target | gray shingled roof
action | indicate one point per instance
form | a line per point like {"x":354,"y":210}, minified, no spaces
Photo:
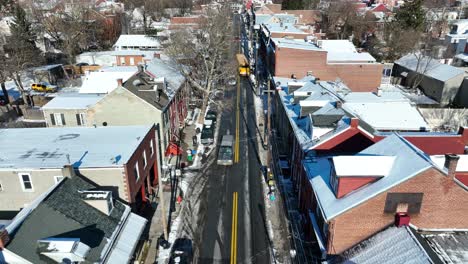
{"x":156,"y":69}
{"x":64,"y":214}
{"x":145,"y":91}
{"x":429,"y":67}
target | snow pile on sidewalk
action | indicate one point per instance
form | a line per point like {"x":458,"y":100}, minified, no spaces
{"x":164,"y":254}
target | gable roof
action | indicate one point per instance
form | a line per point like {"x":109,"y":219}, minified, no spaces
{"x":391,"y":246}
{"x":171,"y":80}
{"x":63,"y":214}
{"x":159,"y":68}
{"x":380,"y":8}
{"x":73,"y":101}
{"x":429,"y":67}
{"x":408,"y":163}
{"x":449,"y":247}
{"x":104,"y":81}
{"x":137,"y":41}
{"x":84,"y":147}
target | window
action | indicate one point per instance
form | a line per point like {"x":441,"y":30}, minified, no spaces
{"x":136,"y":172}
{"x":122,"y":60}
{"x":25,"y":179}
{"x":132,"y":61}
{"x":1,"y":187}
{"x":151,"y":148}
{"x":57,"y":179}
{"x":80,"y":119}
{"x":57,"y":119}
{"x":144,"y":159}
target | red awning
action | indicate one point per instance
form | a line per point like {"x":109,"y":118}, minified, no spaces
{"x":173,"y":149}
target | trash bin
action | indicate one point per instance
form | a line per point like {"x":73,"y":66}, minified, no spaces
{"x":189,"y":155}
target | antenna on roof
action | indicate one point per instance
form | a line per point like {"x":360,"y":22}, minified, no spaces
{"x":68,"y":158}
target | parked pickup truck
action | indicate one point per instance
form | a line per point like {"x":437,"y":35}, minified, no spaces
{"x":226,"y":152}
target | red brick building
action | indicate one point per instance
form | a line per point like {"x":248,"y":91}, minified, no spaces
{"x":351,"y":203}
{"x":359,"y":71}
{"x":192,"y":22}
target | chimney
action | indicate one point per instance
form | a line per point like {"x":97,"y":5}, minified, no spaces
{"x":4,"y":238}
{"x":451,"y":161}
{"x":68,"y":171}
{"x":119,"y":82}
{"x":338,"y":104}
{"x":354,"y":122}
{"x":464,"y":133}
{"x":379,"y":92}
{"x":141,"y":68}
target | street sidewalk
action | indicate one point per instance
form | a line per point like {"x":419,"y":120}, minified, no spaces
{"x":155,"y":252}
{"x":276,"y":220}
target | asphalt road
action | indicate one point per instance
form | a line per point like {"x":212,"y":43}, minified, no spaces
{"x":233,"y":228}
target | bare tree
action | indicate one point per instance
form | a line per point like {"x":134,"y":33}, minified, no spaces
{"x":339,"y":18}
{"x":150,"y":9}
{"x":21,"y":51}
{"x":204,"y":54}
{"x":446,"y":119}
{"x":74,"y":28}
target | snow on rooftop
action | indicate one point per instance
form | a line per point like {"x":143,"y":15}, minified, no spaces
{"x":449,"y":247}
{"x":370,"y":97}
{"x":295,"y":44}
{"x":409,"y":162}
{"x":363,"y":165}
{"x":391,"y":246}
{"x":317,"y":103}
{"x":430,"y":67}
{"x":33,"y":148}
{"x":73,"y":101}
{"x":136,"y":41}
{"x":283,"y":28}
{"x":344,"y":50}
{"x":462,"y":164}
{"x":388,"y":115}
{"x":306,"y":134}
{"x":103,"y":81}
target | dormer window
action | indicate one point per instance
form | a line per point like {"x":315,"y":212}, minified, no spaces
{"x":350,"y":173}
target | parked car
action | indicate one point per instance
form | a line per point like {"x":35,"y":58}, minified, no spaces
{"x":232,"y":81}
{"x":44,"y":87}
{"x":226,"y":153}
{"x":181,"y":251}
{"x":211,"y":115}
{"x":207,"y":133}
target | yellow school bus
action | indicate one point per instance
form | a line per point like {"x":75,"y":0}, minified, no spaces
{"x":244,"y":69}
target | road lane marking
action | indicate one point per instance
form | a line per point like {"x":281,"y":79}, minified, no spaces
{"x":236,"y":147}
{"x":234,"y":229}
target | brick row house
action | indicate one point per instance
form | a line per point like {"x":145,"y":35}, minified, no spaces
{"x":317,"y":120}
{"x":354,"y":197}
{"x":155,"y":93}
{"x":120,"y":159}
